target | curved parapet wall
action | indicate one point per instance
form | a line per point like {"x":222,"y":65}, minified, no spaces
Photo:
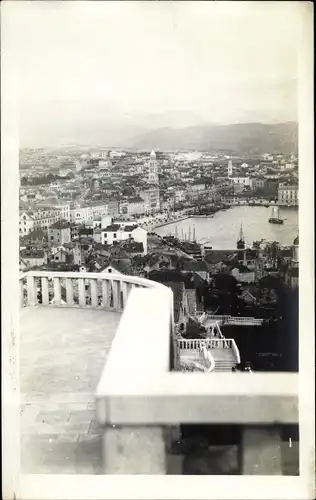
{"x":95,"y":290}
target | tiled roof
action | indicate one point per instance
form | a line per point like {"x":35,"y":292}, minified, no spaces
{"x":60,"y":225}
{"x":215,"y":256}
{"x":111,"y":228}
{"x":122,"y":265}
{"x":194,"y":265}
{"x":32,"y":254}
{"x":129,"y":229}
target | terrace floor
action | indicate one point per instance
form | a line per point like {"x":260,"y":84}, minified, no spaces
{"x":62,"y":354}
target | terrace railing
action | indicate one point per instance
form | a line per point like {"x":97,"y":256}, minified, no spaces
{"x":94,"y":290}
{"x":236,"y":320}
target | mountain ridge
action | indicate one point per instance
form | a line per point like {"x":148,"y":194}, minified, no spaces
{"x":243,"y":137}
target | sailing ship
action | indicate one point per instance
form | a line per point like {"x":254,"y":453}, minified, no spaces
{"x":275,"y":217}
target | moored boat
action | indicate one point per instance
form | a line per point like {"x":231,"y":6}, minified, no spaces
{"x":275,"y":218}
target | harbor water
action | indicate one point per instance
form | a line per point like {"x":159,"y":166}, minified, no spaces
{"x":222,"y":229}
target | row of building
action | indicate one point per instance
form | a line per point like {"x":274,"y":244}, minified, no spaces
{"x":287,"y":193}
{"x":148,"y":201}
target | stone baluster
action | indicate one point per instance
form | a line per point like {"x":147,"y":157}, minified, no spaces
{"x":69,"y":292}
{"x":105,"y":293}
{"x":124,"y":293}
{"x":94,"y":293}
{"x":116,"y":295}
{"x":31,"y":291}
{"x":45,"y":293}
{"x":57,"y":291}
{"x":82,"y":292}
{"x":22,"y":292}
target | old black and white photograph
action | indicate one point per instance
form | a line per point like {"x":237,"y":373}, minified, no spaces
{"x":160,"y":239}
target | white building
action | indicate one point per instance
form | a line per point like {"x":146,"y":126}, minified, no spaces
{"x":117,"y":154}
{"x":133,"y":206}
{"x":288,"y":195}
{"x":117,"y":232}
{"x":287,"y":166}
{"x":26,"y":223}
{"x":179,"y":195}
{"x":87,"y":213}
{"x":39,"y":219}
{"x":242,"y":181}
{"x":151,"y":199}
{"x":64,"y":211}
{"x":197,"y":186}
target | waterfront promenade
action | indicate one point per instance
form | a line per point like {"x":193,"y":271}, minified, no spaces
{"x":221,"y":230}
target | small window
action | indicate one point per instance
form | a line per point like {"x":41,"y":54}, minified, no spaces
{"x":114,"y":235}
{"x":110,"y":270}
{"x":52,"y":237}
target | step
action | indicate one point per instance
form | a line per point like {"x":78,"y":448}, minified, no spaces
{"x":225,"y":363}
{"x":223,"y":354}
{"x":224,"y":370}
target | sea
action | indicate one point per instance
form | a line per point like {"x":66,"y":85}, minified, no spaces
{"x":222,"y":230}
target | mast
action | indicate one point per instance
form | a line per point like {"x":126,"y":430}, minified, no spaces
{"x":241,"y":234}
{"x":176,"y":232}
{"x":241,"y":239}
{"x":189,"y":233}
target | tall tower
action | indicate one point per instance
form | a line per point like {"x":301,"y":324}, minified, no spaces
{"x":153,"y":169}
{"x":230,"y":169}
{"x":294,"y":269}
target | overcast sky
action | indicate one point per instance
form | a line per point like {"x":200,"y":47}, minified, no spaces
{"x":115,"y":64}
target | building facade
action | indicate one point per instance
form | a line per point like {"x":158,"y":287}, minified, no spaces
{"x":59,"y":233}
{"x":242,"y":181}
{"x":288,"y":195}
{"x":151,"y":199}
{"x":134,"y":206}
{"x":87,"y":213}
{"x":26,"y":223}
{"x":117,"y":232}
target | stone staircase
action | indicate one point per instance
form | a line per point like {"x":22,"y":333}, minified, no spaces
{"x":224,"y":359}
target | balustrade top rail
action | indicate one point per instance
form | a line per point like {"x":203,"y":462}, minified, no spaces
{"x":235,"y":319}
{"x":96,"y":290}
{"x":143,"y":282}
{"x":209,"y":343}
